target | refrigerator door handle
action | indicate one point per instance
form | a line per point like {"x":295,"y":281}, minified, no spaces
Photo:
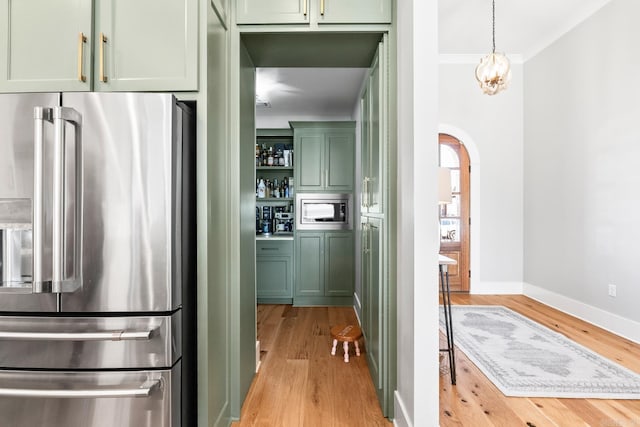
{"x":41,"y":283}
{"x":63,"y":273}
{"x":144,"y":390}
{"x":63,"y":280}
{"x":78,"y":336}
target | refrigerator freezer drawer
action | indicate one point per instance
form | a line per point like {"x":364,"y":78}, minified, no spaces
{"x":140,"y":342}
{"x":91,"y":399}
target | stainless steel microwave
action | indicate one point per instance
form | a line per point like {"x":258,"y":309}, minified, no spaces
{"x":324,"y":211}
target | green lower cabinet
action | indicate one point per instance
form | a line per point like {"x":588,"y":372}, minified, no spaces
{"x":325,"y":268}
{"x":274,"y":271}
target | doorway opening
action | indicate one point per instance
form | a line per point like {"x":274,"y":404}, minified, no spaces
{"x":295,"y":65}
{"x":455,"y":219}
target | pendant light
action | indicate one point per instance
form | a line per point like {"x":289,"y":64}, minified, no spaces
{"x":494,"y":71}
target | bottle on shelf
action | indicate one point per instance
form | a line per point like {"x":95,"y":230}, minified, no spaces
{"x":261,"y":189}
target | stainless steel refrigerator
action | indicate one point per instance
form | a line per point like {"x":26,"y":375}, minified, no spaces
{"x":97,"y":260}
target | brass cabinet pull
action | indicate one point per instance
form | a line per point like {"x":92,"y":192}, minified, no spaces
{"x":82,"y":39}
{"x":321,"y":7}
{"x":305,"y":7}
{"x":103,"y":40}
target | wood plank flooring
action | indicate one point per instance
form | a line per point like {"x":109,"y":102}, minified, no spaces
{"x":299,"y":383}
{"x":475,"y":401}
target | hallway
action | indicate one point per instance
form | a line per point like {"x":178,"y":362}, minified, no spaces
{"x":299,"y":383}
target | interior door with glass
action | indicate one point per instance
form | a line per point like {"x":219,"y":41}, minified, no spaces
{"x":455,"y":221}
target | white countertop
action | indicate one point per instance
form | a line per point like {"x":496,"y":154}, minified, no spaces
{"x":443,"y":260}
{"x":283,"y":236}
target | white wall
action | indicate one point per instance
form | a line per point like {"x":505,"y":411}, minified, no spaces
{"x":416,"y":397}
{"x":495,"y":125}
{"x":582,"y":164}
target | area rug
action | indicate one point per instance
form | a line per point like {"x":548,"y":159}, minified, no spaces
{"x":523,"y":358}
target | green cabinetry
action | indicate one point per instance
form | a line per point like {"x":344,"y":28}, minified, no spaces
{"x":274,"y":271}
{"x":41,"y":45}
{"x":313,"y":11}
{"x":372,"y":266}
{"x":377,"y":292}
{"x":151,"y":45}
{"x":374,"y":136}
{"x":324,"y":268}
{"x":142,"y":45}
{"x":325,"y":156}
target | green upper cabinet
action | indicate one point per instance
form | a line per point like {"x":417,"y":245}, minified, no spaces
{"x":148,"y":45}
{"x":374,"y":136}
{"x":313,"y":11}
{"x":42,"y":45}
{"x":142,"y":45}
{"x":354,"y":11}
{"x":272,"y":11}
{"x":325,"y":156}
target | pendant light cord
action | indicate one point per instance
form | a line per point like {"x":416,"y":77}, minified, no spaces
{"x":494,"y":26}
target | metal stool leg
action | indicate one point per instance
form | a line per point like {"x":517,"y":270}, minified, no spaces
{"x":446,"y":302}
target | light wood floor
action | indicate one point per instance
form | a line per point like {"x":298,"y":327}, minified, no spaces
{"x":299,"y":383}
{"x":475,"y":401}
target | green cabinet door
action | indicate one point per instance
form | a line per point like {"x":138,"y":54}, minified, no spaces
{"x":272,"y":11}
{"x":41,"y":45}
{"x":354,"y":11}
{"x":310,"y":265}
{"x":374,"y":135}
{"x":148,"y":45}
{"x":339,"y":264}
{"x":325,"y":268}
{"x":325,"y":156}
{"x":309,"y":161}
{"x":372,"y":298}
{"x":274,"y":276}
{"x":339,"y":161}
{"x":274,"y":270}
{"x":313,"y":11}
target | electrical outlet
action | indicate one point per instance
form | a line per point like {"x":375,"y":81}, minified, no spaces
{"x":612,"y":290}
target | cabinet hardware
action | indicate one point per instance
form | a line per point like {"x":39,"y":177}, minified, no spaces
{"x":305,"y":7}
{"x":82,"y":39}
{"x":103,"y":41}
{"x":321,"y":7}
{"x":365,"y":192}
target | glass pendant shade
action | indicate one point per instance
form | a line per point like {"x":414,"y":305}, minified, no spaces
{"x":493,"y":73}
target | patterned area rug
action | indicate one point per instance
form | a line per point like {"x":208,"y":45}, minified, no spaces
{"x":523,"y":358}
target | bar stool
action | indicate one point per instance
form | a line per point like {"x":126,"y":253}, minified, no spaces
{"x":346,"y":334}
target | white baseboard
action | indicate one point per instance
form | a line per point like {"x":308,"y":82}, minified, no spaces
{"x":618,"y":325}
{"x":258,"y":362}
{"x":496,"y":288}
{"x":401,"y":417}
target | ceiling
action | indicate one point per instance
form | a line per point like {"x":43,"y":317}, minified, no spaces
{"x":308,"y":91}
{"x":523,"y":28}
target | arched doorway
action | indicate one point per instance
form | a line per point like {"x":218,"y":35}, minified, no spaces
{"x":455,"y":220}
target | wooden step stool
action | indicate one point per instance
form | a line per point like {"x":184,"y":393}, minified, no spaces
{"x":346,"y":334}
